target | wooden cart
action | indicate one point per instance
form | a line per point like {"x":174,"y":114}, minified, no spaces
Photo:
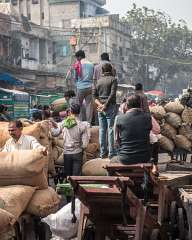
{"x":114,"y":209}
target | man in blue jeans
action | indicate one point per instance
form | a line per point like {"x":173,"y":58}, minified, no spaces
{"x":104,"y":94}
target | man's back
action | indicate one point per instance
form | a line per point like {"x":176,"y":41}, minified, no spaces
{"x":134,"y":129}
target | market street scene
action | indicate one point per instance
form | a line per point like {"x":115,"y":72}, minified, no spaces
{"x":95,"y":120}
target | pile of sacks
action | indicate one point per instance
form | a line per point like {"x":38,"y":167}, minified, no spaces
{"x":175,"y":121}
{"x":24,"y":187}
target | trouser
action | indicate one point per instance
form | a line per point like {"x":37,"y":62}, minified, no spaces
{"x":106,"y":123}
{"x":155,"y":153}
{"x":73,"y":164}
{"x":86,"y":94}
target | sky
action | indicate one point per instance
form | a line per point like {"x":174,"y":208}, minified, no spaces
{"x":176,"y":9}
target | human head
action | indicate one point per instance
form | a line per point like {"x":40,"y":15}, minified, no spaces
{"x":3,"y":108}
{"x":67,"y":95}
{"x":105,"y":56}
{"x":37,"y":116}
{"x":133,"y":101}
{"x":107,"y":68}
{"x":80,"y":54}
{"x":15,"y":129}
{"x":138,"y":87}
{"x":75,"y":109}
{"x":46,"y":114}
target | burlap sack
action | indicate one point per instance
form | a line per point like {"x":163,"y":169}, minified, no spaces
{"x":94,"y":135}
{"x":95,"y":167}
{"x":187,"y":116}
{"x":7,"y":220}
{"x":158,"y":112}
{"x":173,"y":119}
{"x":43,"y":203}
{"x":59,"y":105}
{"x":16,"y":198}
{"x":168,"y":131}
{"x":60,"y":143}
{"x":24,"y":167}
{"x":55,"y":153}
{"x":166,"y":144}
{"x":182,"y":142}
{"x":60,"y":160}
{"x":92,"y":151}
{"x":174,"y":107}
{"x":186,"y":130}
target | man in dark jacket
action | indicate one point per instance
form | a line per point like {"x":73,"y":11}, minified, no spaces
{"x":104,"y":94}
{"x":132,"y":131}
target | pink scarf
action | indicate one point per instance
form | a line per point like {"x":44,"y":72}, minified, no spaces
{"x":78,"y":68}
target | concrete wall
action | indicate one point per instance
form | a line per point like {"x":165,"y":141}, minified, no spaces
{"x":63,"y":12}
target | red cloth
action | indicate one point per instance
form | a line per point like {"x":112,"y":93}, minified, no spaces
{"x":78,"y":68}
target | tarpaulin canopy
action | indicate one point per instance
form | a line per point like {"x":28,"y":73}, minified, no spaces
{"x":9,"y":79}
{"x":157,"y":93}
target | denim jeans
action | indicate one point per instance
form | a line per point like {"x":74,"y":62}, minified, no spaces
{"x":106,"y":123}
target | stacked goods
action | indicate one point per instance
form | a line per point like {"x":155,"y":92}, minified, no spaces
{"x":16,"y":198}
{"x":7,"y":220}
{"x":176,"y":126}
{"x":59,"y":105}
{"x":24,"y":167}
{"x":44,"y":202}
{"x":158,"y":112}
{"x":24,"y":187}
{"x":95,"y":167}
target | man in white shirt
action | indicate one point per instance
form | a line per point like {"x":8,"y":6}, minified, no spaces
{"x":19,"y":141}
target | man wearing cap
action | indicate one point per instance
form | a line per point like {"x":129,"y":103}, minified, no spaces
{"x":76,"y":138}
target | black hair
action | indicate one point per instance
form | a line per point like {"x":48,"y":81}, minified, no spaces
{"x":105,"y":56}
{"x":46,"y":107}
{"x":107,"y":68}
{"x":138,"y":86}
{"x":2,"y":108}
{"x":72,"y":93}
{"x":75,"y":108}
{"x":37,"y":116}
{"x":80,"y":54}
{"x":67,"y":94}
{"x":134,"y":101}
{"x":17,"y":123}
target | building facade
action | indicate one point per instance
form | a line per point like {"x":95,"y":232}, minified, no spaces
{"x":105,"y":34}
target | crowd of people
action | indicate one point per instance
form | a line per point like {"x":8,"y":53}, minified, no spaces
{"x":128,"y":134}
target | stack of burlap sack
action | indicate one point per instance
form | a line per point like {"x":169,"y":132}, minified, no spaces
{"x":175,"y":121}
{"x":24,"y":187}
{"x":23,"y":179}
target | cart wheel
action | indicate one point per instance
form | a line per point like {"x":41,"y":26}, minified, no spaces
{"x":155,"y":235}
{"x":181,"y":224}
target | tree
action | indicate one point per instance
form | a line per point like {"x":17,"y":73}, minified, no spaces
{"x":159,"y":48}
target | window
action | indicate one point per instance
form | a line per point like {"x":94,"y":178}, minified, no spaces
{"x":42,"y":15}
{"x":14,"y":2}
{"x":29,"y":16}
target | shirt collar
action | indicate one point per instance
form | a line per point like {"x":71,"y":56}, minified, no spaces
{"x":20,"y":140}
{"x":134,"y":109}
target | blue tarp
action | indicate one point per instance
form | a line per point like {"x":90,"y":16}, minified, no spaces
{"x":9,"y":79}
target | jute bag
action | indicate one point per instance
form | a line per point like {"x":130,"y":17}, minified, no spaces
{"x":24,"y":167}
{"x":7,"y":220}
{"x":95,"y":167}
{"x":16,"y":198}
{"x":43,"y":203}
